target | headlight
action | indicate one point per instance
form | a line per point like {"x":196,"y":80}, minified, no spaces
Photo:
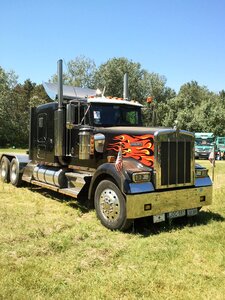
{"x":141,"y":177}
{"x":201,"y":172}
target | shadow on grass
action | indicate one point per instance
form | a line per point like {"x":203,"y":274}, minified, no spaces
{"x":80,"y":203}
{"x":146,"y":227}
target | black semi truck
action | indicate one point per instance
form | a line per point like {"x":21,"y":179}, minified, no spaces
{"x":87,"y":143}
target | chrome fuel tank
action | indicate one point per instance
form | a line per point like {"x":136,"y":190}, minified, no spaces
{"x":51,"y":176}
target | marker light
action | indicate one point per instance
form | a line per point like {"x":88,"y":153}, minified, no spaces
{"x":201,"y":173}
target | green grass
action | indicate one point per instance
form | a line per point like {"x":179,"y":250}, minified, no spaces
{"x":52,"y":248}
{"x":12,"y":150}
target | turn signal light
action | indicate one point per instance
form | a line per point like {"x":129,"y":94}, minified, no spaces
{"x":111,"y":159}
{"x":92,"y":145}
{"x":201,"y":172}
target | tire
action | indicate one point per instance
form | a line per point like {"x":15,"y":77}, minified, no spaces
{"x":110,"y":206}
{"x":15,"y":176}
{"x":4,"y":169}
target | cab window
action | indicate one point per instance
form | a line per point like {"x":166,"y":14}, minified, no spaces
{"x":42,"y":128}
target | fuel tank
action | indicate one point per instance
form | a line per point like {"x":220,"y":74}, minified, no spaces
{"x":50,"y":175}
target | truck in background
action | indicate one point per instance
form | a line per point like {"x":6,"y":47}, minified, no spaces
{"x":220,"y":147}
{"x":204,"y":144}
{"x":87,"y":143}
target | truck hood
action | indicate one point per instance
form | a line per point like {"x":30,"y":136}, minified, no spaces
{"x":134,"y":142}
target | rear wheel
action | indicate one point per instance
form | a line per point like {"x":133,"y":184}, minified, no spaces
{"x":110,"y":206}
{"x":4,"y":169}
{"x":15,"y":176}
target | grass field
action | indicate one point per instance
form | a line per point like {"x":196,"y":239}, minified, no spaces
{"x":12,"y":150}
{"x":52,"y":248}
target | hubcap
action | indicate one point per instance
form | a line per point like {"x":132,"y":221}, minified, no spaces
{"x":109,"y":205}
{"x":3,"y":170}
{"x":13,"y":172}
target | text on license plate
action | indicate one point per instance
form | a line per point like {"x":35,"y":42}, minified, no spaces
{"x":176,"y":214}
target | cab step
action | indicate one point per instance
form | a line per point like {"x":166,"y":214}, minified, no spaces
{"x":77,"y":179}
{"x":72,"y":192}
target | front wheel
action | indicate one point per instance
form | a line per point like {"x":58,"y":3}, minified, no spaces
{"x":4,"y":169}
{"x":110,"y":206}
{"x":15,"y":176}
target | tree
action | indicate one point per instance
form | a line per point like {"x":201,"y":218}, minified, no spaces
{"x":154,"y":85}
{"x":79,"y":72}
{"x":109,"y":77}
{"x":26,"y":95}
{"x":39,"y":96}
{"x":142,"y":84}
{"x":7,"y":81}
{"x":196,"y":109}
{"x":15,"y":102}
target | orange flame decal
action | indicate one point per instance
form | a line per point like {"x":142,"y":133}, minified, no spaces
{"x":139,"y":147}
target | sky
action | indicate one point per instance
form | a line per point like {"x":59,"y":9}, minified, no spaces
{"x":183,"y":40}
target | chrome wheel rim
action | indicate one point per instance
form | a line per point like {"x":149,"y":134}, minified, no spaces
{"x":13,"y":172}
{"x":3,"y":170}
{"x":109,"y":205}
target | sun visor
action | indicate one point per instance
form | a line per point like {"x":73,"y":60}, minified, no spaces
{"x":69,"y":92}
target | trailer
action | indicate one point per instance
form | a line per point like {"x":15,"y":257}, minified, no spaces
{"x":83,"y":142}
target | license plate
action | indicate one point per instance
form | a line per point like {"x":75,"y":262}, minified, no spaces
{"x":192,"y":212}
{"x":176,"y":214}
{"x":159,"y":218}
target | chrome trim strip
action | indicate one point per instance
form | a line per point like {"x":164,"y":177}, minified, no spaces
{"x":176,"y":163}
{"x":185,"y":155}
{"x":141,"y":187}
{"x":205,"y":181}
{"x":168,"y":160}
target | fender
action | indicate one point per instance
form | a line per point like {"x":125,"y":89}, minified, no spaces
{"x":22,"y":159}
{"x":123,"y":178}
{"x":109,"y":169}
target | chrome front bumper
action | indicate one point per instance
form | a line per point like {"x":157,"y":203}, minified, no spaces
{"x":149,"y":204}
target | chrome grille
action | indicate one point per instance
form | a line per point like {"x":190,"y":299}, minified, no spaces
{"x":174,"y":159}
{"x":176,"y":163}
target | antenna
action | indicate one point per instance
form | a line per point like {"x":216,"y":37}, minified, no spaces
{"x":103,"y":92}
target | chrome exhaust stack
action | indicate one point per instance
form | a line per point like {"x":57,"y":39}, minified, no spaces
{"x":125,"y":87}
{"x":59,"y":121}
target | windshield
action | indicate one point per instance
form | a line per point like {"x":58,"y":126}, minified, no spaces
{"x":116,"y":115}
{"x":204,"y":142}
{"x":221,"y":141}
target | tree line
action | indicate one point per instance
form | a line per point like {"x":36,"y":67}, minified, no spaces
{"x":194,"y":107}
